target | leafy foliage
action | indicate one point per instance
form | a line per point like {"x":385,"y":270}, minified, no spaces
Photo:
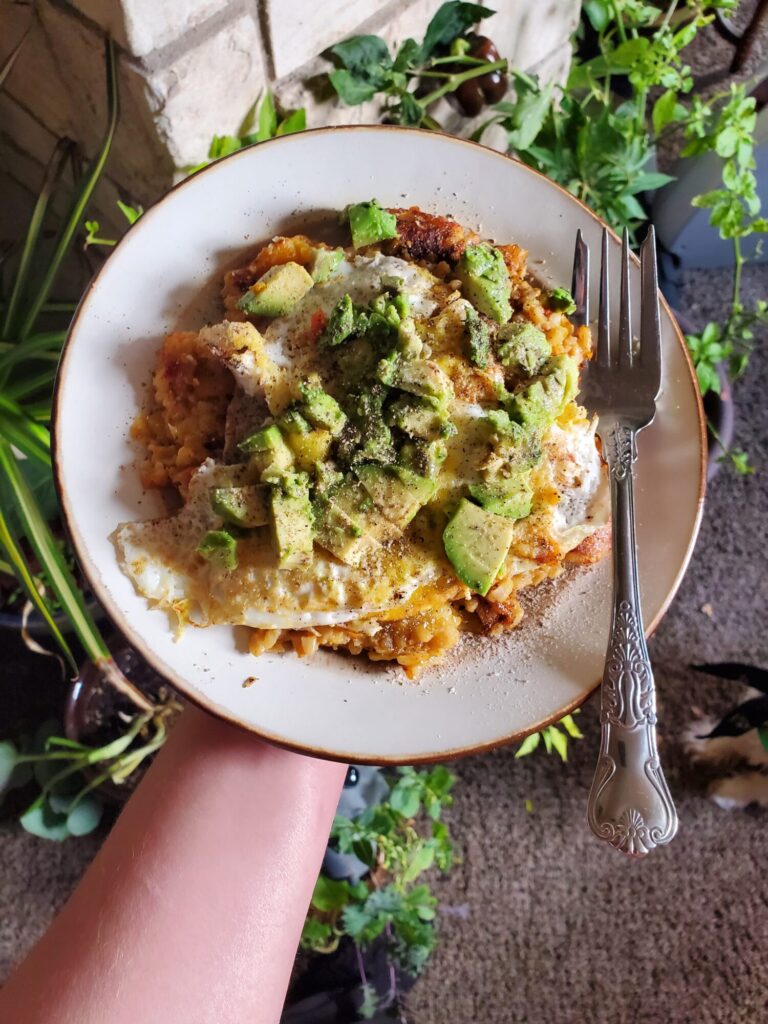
{"x":398,"y":840}
{"x":69,"y":772}
{"x":554,"y":737}
{"x":366,"y":67}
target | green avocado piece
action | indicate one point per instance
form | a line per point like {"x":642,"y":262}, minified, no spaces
{"x":478,"y":338}
{"x":292,"y":422}
{"x":344,"y":322}
{"x":485,"y":278}
{"x":291,"y":519}
{"x":370,"y":223}
{"x":267,"y":449}
{"x":348,"y":523}
{"x":420,"y":418}
{"x":418,"y":377}
{"x":560,"y":299}
{"x":244,"y":506}
{"x":476,"y":543}
{"x":542,"y":401}
{"x":409,"y":341}
{"x":325,"y":263}
{"x":277,"y":291}
{"x":397,"y":492}
{"x":422,"y":457}
{"x":369,"y":439}
{"x":320,"y":408}
{"x":520,"y":344}
{"x":511,"y":497}
{"x":219,"y":548}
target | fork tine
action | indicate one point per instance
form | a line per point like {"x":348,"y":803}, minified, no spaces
{"x":625,"y":309}
{"x":603,"y":318}
{"x":580,"y":281}
{"x":650,"y":327}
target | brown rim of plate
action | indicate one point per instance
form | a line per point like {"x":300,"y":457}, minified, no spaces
{"x":210,"y":706}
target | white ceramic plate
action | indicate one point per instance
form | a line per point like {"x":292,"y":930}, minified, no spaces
{"x":163,"y":275}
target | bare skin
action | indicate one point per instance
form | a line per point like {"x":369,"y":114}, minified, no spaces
{"x":192,"y":910}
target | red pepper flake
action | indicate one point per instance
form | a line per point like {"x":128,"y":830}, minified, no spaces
{"x":317,"y":324}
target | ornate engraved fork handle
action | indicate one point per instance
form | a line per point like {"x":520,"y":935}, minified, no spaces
{"x":629,"y":804}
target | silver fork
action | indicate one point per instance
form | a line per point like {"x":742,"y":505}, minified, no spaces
{"x":629,"y":804}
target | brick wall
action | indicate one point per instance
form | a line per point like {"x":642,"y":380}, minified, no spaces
{"x":190,"y":69}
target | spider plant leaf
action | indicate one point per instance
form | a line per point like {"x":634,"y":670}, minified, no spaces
{"x":10,"y":60}
{"x":33,"y":439}
{"x":52,"y":561}
{"x":21,"y":571}
{"x":27,"y":386}
{"x":37,"y":346}
{"x":81,"y":198}
{"x":53,"y":174}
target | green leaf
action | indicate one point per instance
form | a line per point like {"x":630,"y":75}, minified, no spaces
{"x":599,"y":13}
{"x":762,"y":732}
{"x":666,"y":110}
{"x":625,"y":54}
{"x":80,"y":200}
{"x":740,"y":461}
{"x":405,"y":797}
{"x":351,"y":89}
{"x":8,"y":756}
{"x":315,"y":934}
{"x":57,"y":573}
{"x":421,"y":861}
{"x":53,"y":172}
{"x":330,"y":894}
{"x":366,"y":57}
{"x":41,"y":821}
{"x":85,"y":817}
{"x":267,"y":119}
{"x":559,"y":741}
{"x":131,"y":213}
{"x":296,"y":121}
{"x":529,"y":744}
{"x":408,"y":55}
{"x":571,"y":728}
{"x":449,"y":22}
{"x":649,"y":180}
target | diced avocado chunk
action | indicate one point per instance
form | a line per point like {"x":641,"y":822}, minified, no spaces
{"x":478,"y":338}
{"x":422,"y":457}
{"x":244,"y":506}
{"x":520,"y":344}
{"x":420,"y":418}
{"x":325,"y":263}
{"x":320,"y":408}
{"x":510,"y":497}
{"x":277,"y":291}
{"x":267,"y":449}
{"x":409,"y":342}
{"x":561,"y":299}
{"x":291,"y":520}
{"x":370,"y":439}
{"x":348,"y":523}
{"x":342,"y":323}
{"x":219,"y":548}
{"x":292,"y":422}
{"x":369,"y":223}
{"x":310,"y":448}
{"x":399,"y":493}
{"x":542,"y":401}
{"x":476,"y":543}
{"x":418,"y":377}
{"x":485,"y":277}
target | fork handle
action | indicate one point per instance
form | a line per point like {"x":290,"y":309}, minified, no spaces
{"x":629,"y":804}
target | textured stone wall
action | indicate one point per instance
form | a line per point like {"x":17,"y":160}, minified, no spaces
{"x":190,"y":69}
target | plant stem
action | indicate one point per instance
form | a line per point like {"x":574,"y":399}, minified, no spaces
{"x":736,"y":297}
{"x":668,"y":15}
{"x":619,"y":21}
{"x":464,"y":76}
